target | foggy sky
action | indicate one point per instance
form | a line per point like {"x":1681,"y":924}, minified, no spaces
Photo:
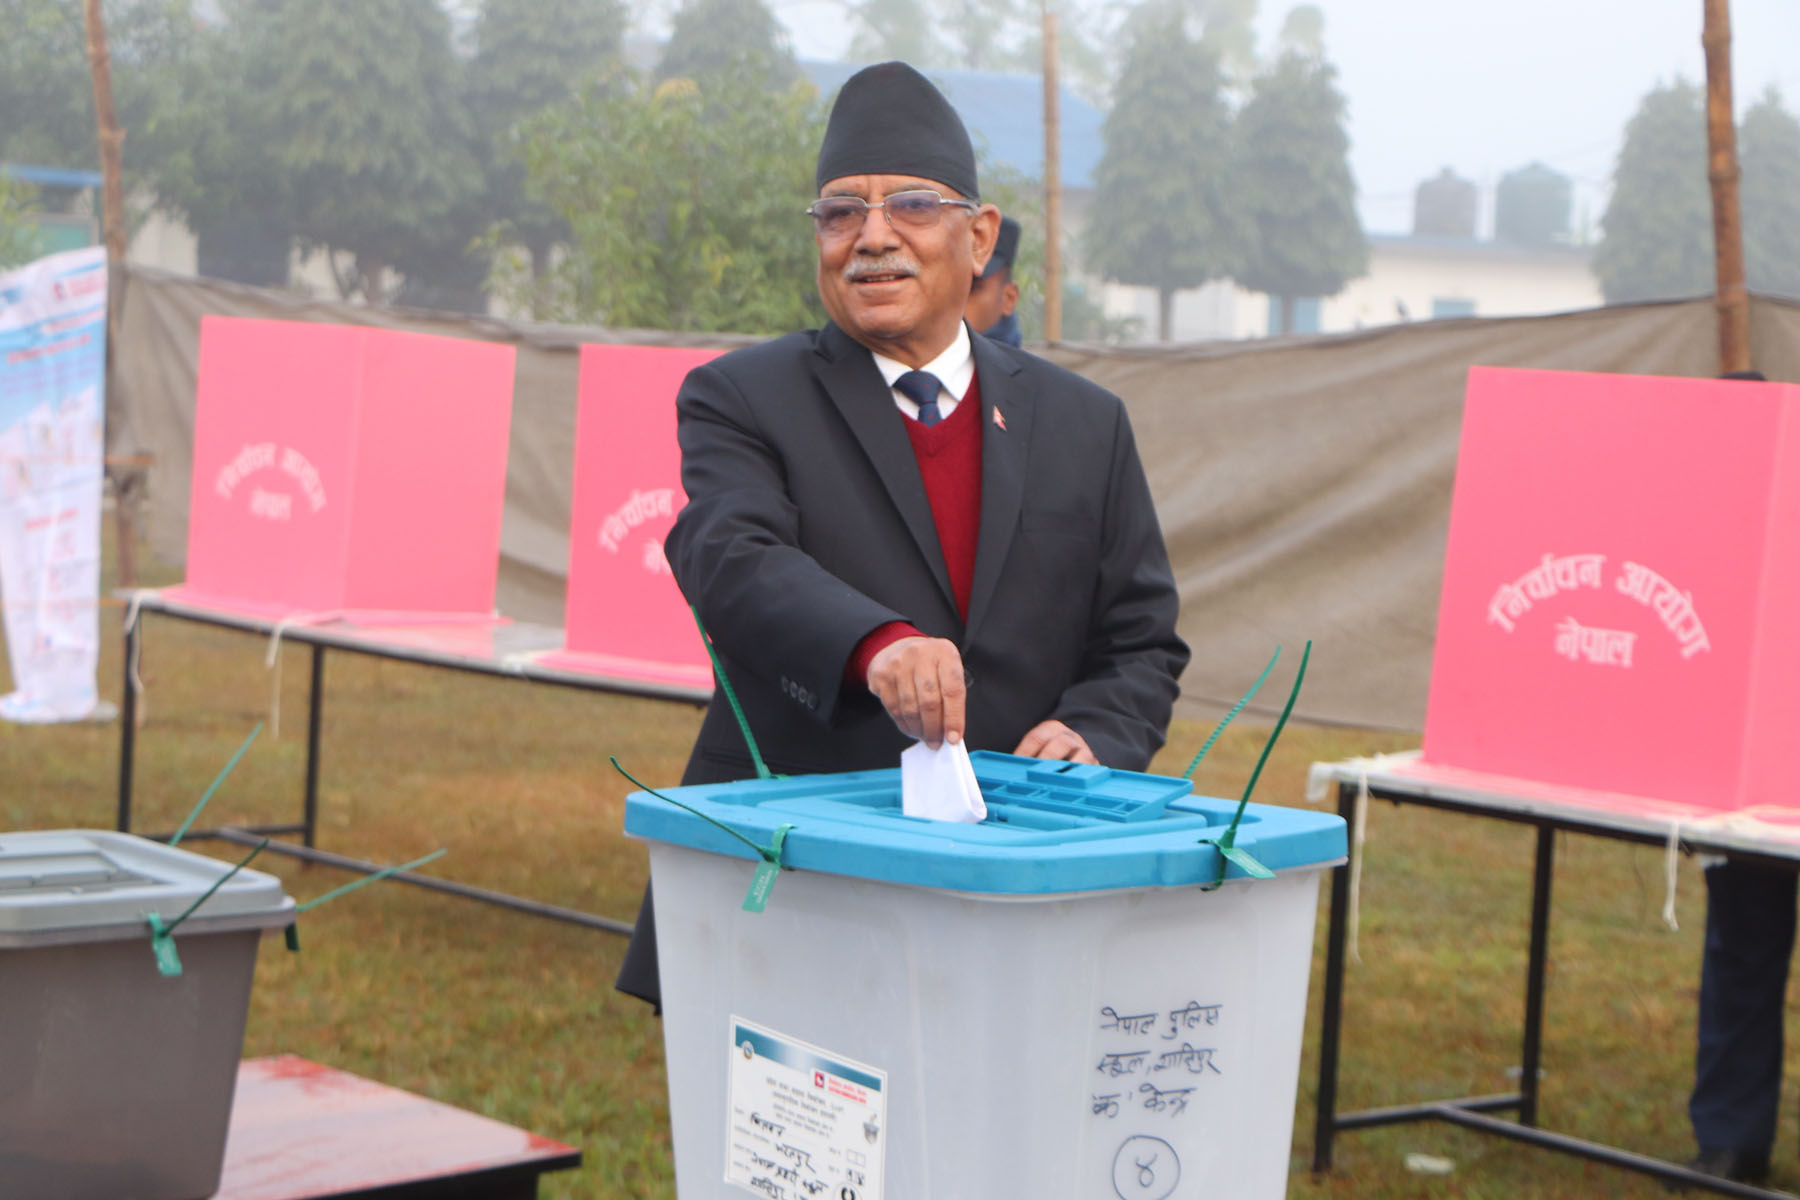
{"x":1486,"y":87}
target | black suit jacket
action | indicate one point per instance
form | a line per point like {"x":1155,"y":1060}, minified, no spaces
{"x":807,"y":526}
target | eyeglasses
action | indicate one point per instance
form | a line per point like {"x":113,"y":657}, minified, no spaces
{"x":838,"y":217}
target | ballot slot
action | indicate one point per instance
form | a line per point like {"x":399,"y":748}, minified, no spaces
{"x":1057,"y":795}
{"x":67,"y":873}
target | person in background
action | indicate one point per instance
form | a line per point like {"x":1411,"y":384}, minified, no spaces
{"x":898,"y":531}
{"x":993,"y":299}
{"x":1743,"y":991}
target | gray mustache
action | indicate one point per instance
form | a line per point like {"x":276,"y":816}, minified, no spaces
{"x":887,"y":264}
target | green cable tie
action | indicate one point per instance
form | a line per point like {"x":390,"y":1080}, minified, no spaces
{"x":1243,"y":859}
{"x":764,"y":880}
{"x":168,"y":963}
{"x":162,"y":937}
{"x":1235,"y":710}
{"x":180,"y":833}
{"x":366,"y":880}
{"x":292,"y":933}
{"x":762,"y":770}
{"x":1229,"y":851}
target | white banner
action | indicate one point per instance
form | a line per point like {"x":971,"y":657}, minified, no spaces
{"x":52,"y":447}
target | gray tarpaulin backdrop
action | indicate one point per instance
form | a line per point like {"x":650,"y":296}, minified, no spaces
{"x":1303,"y":483}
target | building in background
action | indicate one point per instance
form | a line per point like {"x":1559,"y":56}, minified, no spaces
{"x":74,"y":222}
{"x":1443,"y":268}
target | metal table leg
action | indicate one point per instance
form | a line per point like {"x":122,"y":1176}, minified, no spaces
{"x":1331,"y":1023}
{"x":1534,"y":975}
{"x":128,"y":726}
{"x":315,"y":705}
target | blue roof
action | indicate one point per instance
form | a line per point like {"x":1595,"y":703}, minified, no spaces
{"x":1005,"y":116}
{"x":51,"y":176}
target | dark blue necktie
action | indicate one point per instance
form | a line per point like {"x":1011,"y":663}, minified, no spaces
{"x":921,"y":387}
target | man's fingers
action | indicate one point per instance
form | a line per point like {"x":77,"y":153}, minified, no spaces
{"x":956,"y":695}
{"x":1056,"y":741}
{"x":931,"y":705}
{"x":904,"y":704}
{"x":921,"y":684}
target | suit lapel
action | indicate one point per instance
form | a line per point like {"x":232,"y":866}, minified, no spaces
{"x":1006,"y":418}
{"x":849,"y":377}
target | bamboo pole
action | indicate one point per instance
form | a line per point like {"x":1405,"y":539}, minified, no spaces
{"x":1052,"y":185}
{"x":1730,"y":298}
{"x":112,"y":207}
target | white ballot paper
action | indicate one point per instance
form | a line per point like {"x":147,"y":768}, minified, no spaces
{"x":940,"y":784}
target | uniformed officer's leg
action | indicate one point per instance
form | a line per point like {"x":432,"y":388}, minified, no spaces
{"x":1743,"y":985}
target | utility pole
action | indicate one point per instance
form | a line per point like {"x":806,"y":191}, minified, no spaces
{"x":112,"y":208}
{"x":1052,"y":185}
{"x":1730,"y":298}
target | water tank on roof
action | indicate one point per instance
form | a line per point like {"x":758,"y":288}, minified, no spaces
{"x":1445,"y":206}
{"x":1532,"y":206}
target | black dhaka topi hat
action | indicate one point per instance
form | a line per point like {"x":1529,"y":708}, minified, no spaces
{"x":890,"y":120}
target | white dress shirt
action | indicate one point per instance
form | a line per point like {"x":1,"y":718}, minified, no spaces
{"x":954,"y":368}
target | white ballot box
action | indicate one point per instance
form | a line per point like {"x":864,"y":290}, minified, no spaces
{"x":1053,"y":1002}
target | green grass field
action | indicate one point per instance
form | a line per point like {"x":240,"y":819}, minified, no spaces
{"x":515,"y":1017}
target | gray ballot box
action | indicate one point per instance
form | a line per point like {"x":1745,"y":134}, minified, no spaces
{"x":116,"y":1076}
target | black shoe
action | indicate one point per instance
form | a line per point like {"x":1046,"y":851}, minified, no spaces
{"x":1739,"y":1166}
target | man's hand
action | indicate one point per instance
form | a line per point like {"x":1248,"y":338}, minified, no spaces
{"x":1053,"y":739}
{"x":919,"y":680}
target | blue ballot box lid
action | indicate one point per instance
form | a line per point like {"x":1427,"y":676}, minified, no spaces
{"x":1051,"y":827}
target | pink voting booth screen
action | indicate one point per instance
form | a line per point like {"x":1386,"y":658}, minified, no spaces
{"x":625,"y":616}
{"x":1621,"y":599}
{"x":340,"y":469}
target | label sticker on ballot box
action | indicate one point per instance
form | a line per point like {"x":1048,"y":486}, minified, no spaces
{"x":802,"y":1123}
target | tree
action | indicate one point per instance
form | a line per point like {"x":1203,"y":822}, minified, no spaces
{"x":1228,"y":29}
{"x":1657,"y":242}
{"x":1769,"y":151}
{"x":991,"y":35}
{"x":44,"y":87}
{"x":376,"y":148}
{"x":685,"y":205}
{"x":1294,"y":181}
{"x":1007,"y":35}
{"x":212,"y":153}
{"x":46,"y":93}
{"x":530,"y":54}
{"x":20,"y":241}
{"x":712,"y":37}
{"x":902,"y":29}
{"x":1303,"y":30}
{"x":1163,"y":214}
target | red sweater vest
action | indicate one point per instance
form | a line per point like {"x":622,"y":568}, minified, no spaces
{"x":949,"y":457}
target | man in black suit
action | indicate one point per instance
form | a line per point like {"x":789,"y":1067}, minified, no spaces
{"x":897,"y":531}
